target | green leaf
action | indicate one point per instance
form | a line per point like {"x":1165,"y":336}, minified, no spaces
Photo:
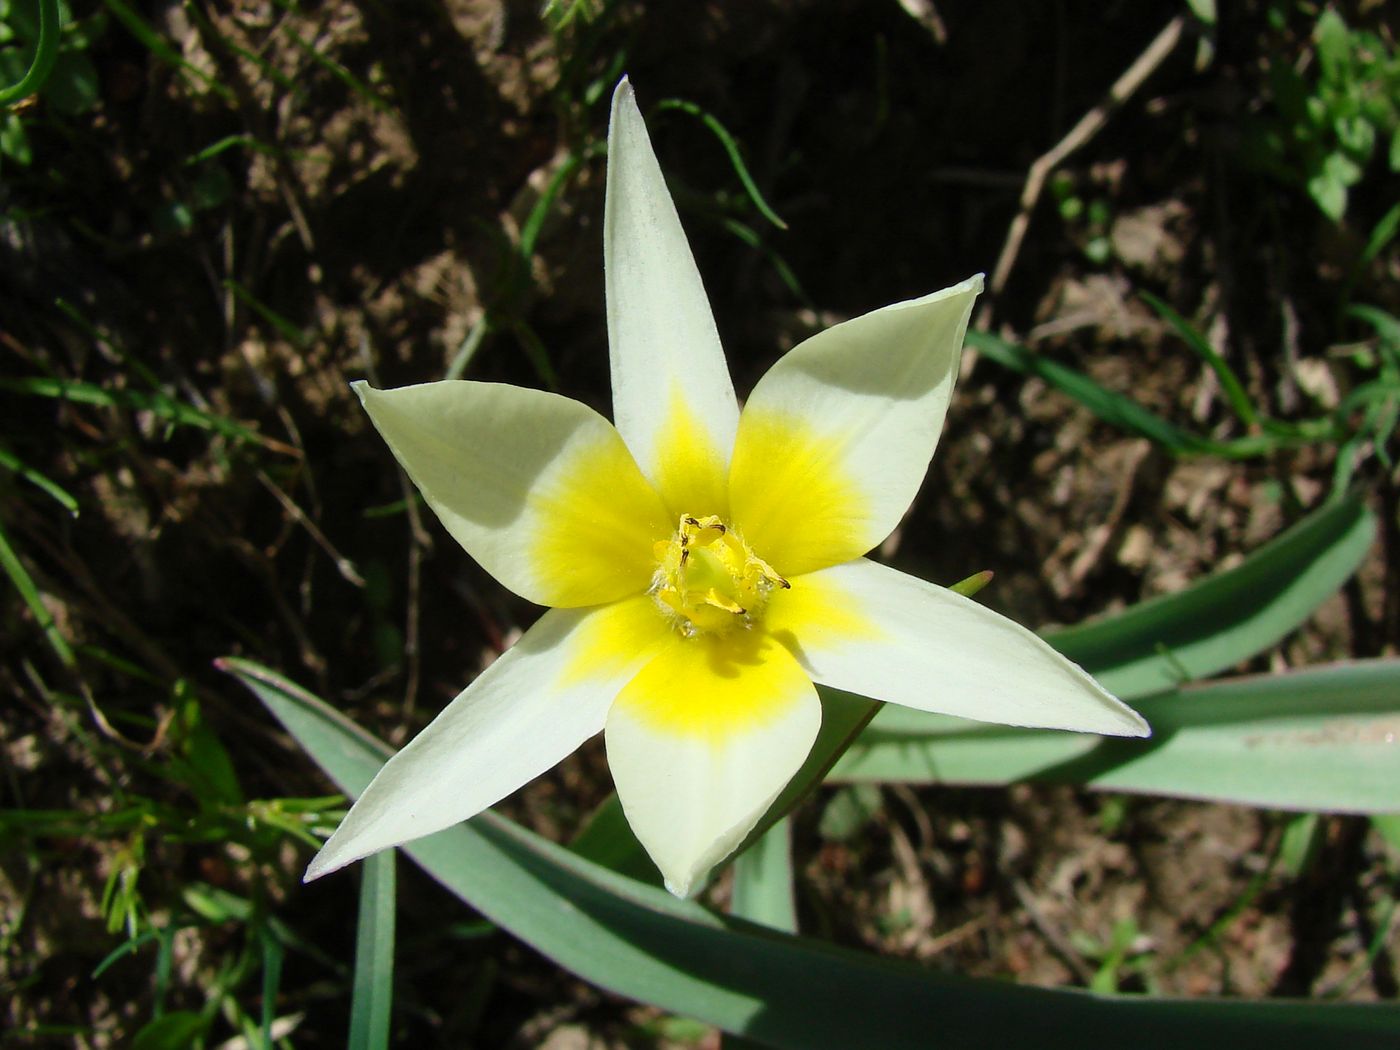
{"x":848,"y":812}
{"x":731,"y":149}
{"x":1204,"y":10}
{"x":1387,"y":826}
{"x":607,"y":840}
{"x":174,"y":1031}
{"x":640,"y":942}
{"x":1333,"y":46}
{"x":1328,"y":194}
{"x":160,"y":47}
{"x":197,"y":758}
{"x":273,"y":955}
{"x":1230,"y":383}
{"x":10,"y":461}
{"x":1303,"y":835}
{"x":1385,"y":229}
{"x":29,"y":591}
{"x":1320,"y":739}
{"x":373,"y":1001}
{"x":45,"y":54}
{"x":844,"y":715}
{"x":1228,"y":617}
{"x":157,"y":402}
{"x":285,"y":328}
{"x":1109,"y":406}
{"x":14,"y":143}
{"x":763,"y":881}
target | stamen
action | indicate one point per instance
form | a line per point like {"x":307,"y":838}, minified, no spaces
{"x":709,"y":580}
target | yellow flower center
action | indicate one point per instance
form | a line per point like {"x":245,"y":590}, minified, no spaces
{"x":708,"y":580}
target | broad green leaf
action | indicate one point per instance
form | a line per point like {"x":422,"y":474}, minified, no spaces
{"x":1326,"y":738}
{"x":763,"y":881}
{"x":844,"y":716}
{"x":1228,"y":617}
{"x":607,"y":840}
{"x":373,"y":999}
{"x":786,"y":991}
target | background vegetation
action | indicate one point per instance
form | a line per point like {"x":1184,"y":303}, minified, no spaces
{"x":214,"y":215}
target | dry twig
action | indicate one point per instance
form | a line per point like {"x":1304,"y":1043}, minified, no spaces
{"x":1088,"y":126}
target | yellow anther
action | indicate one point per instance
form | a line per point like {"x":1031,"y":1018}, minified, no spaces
{"x":708,"y":580}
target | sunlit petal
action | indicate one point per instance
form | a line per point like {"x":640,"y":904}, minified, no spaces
{"x":538,"y":488}
{"x":661,"y":333}
{"x":836,"y":438}
{"x":530,"y":709}
{"x":873,"y":630}
{"x":702,"y":741}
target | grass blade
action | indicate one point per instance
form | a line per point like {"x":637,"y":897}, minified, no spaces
{"x":10,"y":461}
{"x":156,"y":45}
{"x":158,"y":403}
{"x":1229,"y":381}
{"x":24,"y":583}
{"x":373,"y":1000}
{"x":763,"y":881}
{"x":1121,"y":411}
{"x":731,"y":147}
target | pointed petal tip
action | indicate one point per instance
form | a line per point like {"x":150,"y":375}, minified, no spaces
{"x":623,"y":94}
{"x":335,"y":853}
{"x":320,"y":865}
{"x":970,"y":287}
{"x":684,"y":888}
{"x":1127,"y":722}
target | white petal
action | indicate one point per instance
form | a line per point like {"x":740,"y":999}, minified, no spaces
{"x":873,"y":630}
{"x":538,"y":488}
{"x":836,"y":438}
{"x":702,"y":741}
{"x":531,"y":708}
{"x":661,"y":333}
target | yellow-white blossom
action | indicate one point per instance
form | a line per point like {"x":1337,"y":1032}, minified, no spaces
{"x":704,"y":566}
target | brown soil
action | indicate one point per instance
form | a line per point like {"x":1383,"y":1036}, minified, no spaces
{"x":382,"y":234}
